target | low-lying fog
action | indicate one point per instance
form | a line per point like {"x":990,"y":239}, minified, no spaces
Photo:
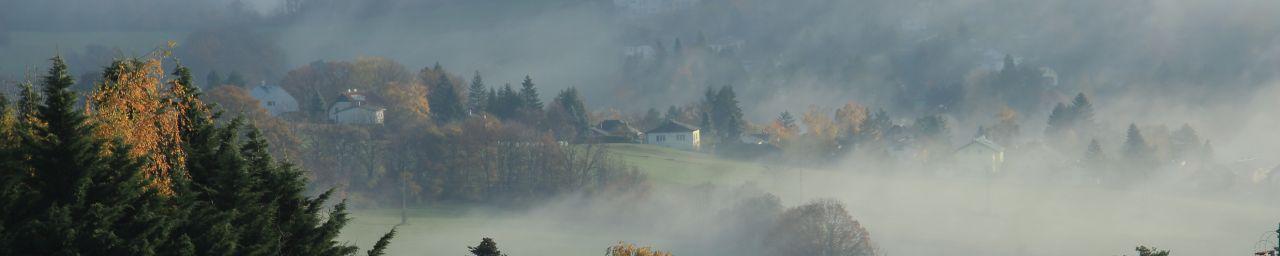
{"x":905,"y":214}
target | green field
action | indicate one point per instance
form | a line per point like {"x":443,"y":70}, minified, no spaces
{"x":672,"y":166}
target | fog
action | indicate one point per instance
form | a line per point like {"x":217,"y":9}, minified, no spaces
{"x":1212,"y":65}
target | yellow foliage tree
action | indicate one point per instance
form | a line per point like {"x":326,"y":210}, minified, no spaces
{"x":132,"y":103}
{"x":628,"y":249}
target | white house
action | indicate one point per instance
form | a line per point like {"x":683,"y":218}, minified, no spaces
{"x":355,"y":107}
{"x":674,"y":134}
{"x":981,"y":154}
{"x":274,"y":99}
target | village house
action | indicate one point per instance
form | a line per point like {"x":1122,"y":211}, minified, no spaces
{"x":614,"y":131}
{"x":676,"y":135}
{"x":355,"y":107}
{"x":981,"y":154}
{"x":274,"y":99}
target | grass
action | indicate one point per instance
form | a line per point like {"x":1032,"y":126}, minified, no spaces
{"x":672,"y":166}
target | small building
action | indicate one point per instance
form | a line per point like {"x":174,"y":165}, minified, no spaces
{"x":614,"y":131}
{"x":981,"y":154}
{"x":274,"y":99}
{"x":676,"y":135}
{"x":355,"y":107}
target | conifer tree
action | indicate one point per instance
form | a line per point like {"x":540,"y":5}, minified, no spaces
{"x":487,"y":247}
{"x":529,"y":95}
{"x":444,"y":101}
{"x":726,"y":115}
{"x":476,"y":95}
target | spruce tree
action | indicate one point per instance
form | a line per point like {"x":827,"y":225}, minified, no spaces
{"x":444,"y":100}
{"x":476,"y":95}
{"x":673,"y":113}
{"x":235,"y":78}
{"x":529,"y":96}
{"x":726,"y":115}
{"x":1081,"y":112}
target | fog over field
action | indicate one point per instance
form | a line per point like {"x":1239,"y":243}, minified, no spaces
{"x":1100,"y":125}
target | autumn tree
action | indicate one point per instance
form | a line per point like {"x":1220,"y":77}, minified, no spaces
{"x":629,"y":249}
{"x":822,"y":227}
{"x":134,"y":104}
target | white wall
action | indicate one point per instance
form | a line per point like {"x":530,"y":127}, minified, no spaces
{"x":678,"y":140}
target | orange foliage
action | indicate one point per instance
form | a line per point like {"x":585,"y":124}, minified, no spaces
{"x":133,"y":104}
{"x":628,"y":249}
{"x":407,"y":103}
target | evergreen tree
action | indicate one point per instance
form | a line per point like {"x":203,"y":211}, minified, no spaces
{"x":574,"y":110}
{"x":652,"y":117}
{"x":1058,"y":120}
{"x":933,"y":129}
{"x":1136,"y":150}
{"x":529,"y":95}
{"x":80,"y":199}
{"x":1185,"y":143}
{"x":486,"y":248}
{"x":1095,"y":153}
{"x":235,"y":78}
{"x":476,"y":94}
{"x":1081,"y":112}
{"x":673,"y":113}
{"x":213,"y":79}
{"x":726,"y":115}
{"x":491,"y":101}
{"x":509,"y":102}
{"x":444,"y":101}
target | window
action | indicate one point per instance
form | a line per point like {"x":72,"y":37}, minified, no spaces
{"x":271,"y":103}
{"x":661,"y":138}
{"x":680,"y":137}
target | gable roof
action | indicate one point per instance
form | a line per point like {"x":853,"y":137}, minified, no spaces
{"x":982,"y":141}
{"x":673,"y":126}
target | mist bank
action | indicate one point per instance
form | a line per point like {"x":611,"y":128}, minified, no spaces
{"x":905,"y":215}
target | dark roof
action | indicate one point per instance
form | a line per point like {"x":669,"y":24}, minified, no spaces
{"x":354,"y":96}
{"x":616,"y":126}
{"x":673,"y":126}
{"x":983,"y":141}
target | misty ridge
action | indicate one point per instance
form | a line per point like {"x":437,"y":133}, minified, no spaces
{"x":641,"y":127}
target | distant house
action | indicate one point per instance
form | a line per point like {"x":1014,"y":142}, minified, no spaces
{"x":614,"y":131}
{"x":355,"y":107}
{"x":674,"y":134}
{"x":981,"y":154}
{"x":274,"y":99}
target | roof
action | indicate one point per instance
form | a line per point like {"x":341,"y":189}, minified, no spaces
{"x":269,"y":90}
{"x":673,"y":126}
{"x":356,"y":95}
{"x":615,"y":126}
{"x":984,"y":142}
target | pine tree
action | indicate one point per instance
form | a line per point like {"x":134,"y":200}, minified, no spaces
{"x":509,"y":102}
{"x":476,"y":95}
{"x":529,"y":95}
{"x":492,"y":102}
{"x":487,"y":247}
{"x":787,"y":120}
